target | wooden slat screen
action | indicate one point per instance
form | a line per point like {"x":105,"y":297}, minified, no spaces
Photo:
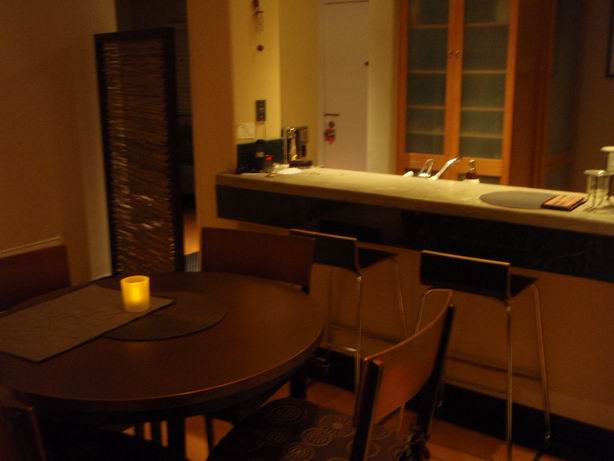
{"x":138,"y":108}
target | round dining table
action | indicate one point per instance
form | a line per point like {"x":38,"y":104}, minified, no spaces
{"x":267,"y":332}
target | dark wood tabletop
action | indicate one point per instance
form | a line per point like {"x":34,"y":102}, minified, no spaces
{"x":269,"y":330}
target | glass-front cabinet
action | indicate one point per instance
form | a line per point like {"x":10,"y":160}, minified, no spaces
{"x":472,"y":82}
{"x":455,"y":75}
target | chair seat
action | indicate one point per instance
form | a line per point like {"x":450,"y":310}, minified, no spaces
{"x":367,"y":257}
{"x":298,"y":429}
{"x":518,"y":283}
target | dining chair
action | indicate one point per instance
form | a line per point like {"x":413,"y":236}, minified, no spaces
{"x":277,"y":257}
{"x":283,"y":258}
{"x":296,"y":429}
{"x":21,"y":439}
{"x":341,"y":252}
{"x":29,"y":274}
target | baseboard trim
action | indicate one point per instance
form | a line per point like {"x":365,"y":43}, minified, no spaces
{"x":31,"y":246}
{"x":571,"y":439}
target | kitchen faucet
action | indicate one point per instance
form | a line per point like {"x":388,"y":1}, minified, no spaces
{"x":425,"y":172}
{"x":447,"y":165}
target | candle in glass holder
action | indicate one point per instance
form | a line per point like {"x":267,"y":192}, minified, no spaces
{"x":135,"y":293}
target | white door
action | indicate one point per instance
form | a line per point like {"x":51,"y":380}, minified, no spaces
{"x":345,"y":53}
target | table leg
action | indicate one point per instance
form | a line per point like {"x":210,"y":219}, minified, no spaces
{"x":176,"y":436}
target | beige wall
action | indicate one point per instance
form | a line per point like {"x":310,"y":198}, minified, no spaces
{"x":256,"y":74}
{"x":298,"y":37}
{"x":596,"y":94}
{"x":381,"y":115}
{"x":49,"y":130}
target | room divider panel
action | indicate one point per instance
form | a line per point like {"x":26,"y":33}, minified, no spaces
{"x":138,"y":107}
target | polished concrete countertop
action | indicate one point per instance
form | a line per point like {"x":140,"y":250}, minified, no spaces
{"x":452,"y":198}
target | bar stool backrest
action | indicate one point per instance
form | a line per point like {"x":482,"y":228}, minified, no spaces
{"x":392,"y":377}
{"x":20,"y":438}
{"x":463,"y":273}
{"x":278,"y":257}
{"x":30,"y":274}
{"x":333,"y":250}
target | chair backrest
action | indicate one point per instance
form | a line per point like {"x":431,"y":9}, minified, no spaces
{"x":20,"y":438}
{"x":392,"y":377}
{"x":278,"y":257}
{"x":463,"y":273}
{"x":333,"y":250}
{"x":34,"y":273}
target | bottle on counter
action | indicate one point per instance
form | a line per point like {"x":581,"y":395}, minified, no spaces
{"x":472,"y":174}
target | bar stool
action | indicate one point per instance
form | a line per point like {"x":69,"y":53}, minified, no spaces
{"x":491,"y":279}
{"x":343,"y":253}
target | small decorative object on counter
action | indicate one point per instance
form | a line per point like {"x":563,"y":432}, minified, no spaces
{"x":598,"y":187}
{"x":472,"y":174}
{"x":609,"y":163}
{"x":609,"y":157}
{"x":268,"y":163}
{"x":258,"y":161}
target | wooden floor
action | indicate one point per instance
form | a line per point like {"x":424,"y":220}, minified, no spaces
{"x":447,"y":443}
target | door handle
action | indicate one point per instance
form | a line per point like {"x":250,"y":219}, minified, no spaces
{"x":330,"y":114}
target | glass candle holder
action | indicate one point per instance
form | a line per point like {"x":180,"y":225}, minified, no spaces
{"x":135,"y":293}
{"x":598,"y":187}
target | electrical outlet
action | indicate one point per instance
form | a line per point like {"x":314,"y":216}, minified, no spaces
{"x":260,"y":110}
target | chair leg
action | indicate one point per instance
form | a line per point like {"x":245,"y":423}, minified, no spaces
{"x":156,"y":432}
{"x":542,"y":364}
{"x":331,"y":274}
{"x":509,"y":395}
{"x":358,"y":352}
{"x":403,"y":317}
{"x":210,"y":433}
{"x":298,"y":384}
{"x":139,"y":431}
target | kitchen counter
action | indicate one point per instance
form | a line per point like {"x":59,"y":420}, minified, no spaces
{"x":418,"y":213}
{"x":454,"y":198}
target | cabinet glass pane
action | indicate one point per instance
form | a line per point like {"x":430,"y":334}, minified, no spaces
{"x":425,"y":120}
{"x":427,"y":49}
{"x":480,"y":147}
{"x":428,"y":12}
{"x":486,"y":11}
{"x":482,"y":122}
{"x":426,"y":89}
{"x":426,"y":144}
{"x":483,"y":90}
{"x":485,"y":48}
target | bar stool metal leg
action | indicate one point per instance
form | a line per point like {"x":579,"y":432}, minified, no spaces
{"x":331,"y":274}
{"x":542,"y":363}
{"x":397,"y":275}
{"x":423,"y":298}
{"x":358,"y":352}
{"x":509,"y":396}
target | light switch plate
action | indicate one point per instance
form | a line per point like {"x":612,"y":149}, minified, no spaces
{"x":246,"y":130}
